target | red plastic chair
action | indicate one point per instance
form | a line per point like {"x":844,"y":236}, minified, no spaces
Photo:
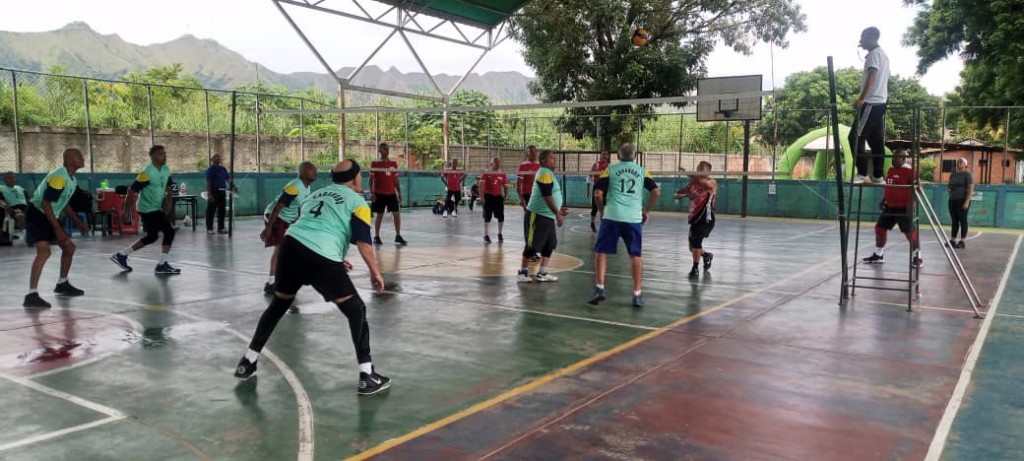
{"x":114,"y":203}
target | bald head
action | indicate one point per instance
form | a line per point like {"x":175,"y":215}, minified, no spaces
{"x":346,"y":172}
{"x":73,"y":159}
{"x":307,"y":171}
{"x":10,"y":179}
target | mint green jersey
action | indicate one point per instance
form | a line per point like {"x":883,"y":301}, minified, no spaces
{"x":331,"y":219}
{"x":545,"y":185}
{"x":57,"y":188}
{"x":623,"y":186}
{"x":292,"y":195}
{"x":13,"y":195}
{"x":152,"y":187}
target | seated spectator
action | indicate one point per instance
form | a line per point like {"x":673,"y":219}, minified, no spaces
{"x":13,"y":199}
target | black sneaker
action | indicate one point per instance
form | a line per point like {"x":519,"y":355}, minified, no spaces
{"x":597,"y":297}
{"x":874,"y":259}
{"x":593,"y":228}
{"x":166,"y":269}
{"x":707,"y":257}
{"x":268,"y":288}
{"x":487,"y":239}
{"x":121,"y":261}
{"x":372,"y":383}
{"x":66,"y":289}
{"x":500,"y":238}
{"x":961,"y":245}
{"x":695,"y":272}
{"x":377,"y":241}
{"x":32,"y":300}
{"x":638,"y":300}
{"x":918,"y":262}
{"x":401,"y":241}
{"x":245,"y":369}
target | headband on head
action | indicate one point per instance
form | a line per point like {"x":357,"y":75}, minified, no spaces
{"x":341,"y":177}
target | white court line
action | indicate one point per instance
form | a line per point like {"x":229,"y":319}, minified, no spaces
{"x":64,"y":396}
{"x":949,"y":415}
{"x":305,"y":407}
{"x":60,"y":433}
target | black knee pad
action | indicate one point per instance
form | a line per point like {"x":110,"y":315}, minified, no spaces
{"x":149,"y":238}
{"x":168,"y":236}
{"x":352,"y":305}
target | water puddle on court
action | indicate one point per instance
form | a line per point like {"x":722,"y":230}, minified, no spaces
{"x":159,"y":337}
{"x":52,"y":351}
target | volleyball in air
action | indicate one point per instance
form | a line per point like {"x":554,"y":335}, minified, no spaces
{"x":641,"y":36}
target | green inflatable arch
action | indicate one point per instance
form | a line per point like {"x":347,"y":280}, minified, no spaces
{"x":821,"y":162}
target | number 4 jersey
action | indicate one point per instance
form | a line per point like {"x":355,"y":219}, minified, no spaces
{"x":623,"y":184}
{"x":330,"y":220}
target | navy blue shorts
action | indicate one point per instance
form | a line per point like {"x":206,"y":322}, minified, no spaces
{"x":610,"y":232}
{"x":37,"y":227}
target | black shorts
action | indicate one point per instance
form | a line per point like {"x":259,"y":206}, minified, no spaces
{"x":37,"y":227}
{"x":698,"y":232}
{"x":155,"y":221}
{"x":494,"y":205}
{"x":19,"y":208}
{"x":385,"y":202}
{"x":298,"y":266}
{"x":891,"y":217}
{"x":541,"y":235}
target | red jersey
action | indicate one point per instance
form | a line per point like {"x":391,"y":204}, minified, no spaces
{"x":494,"y":183}
{"x":453,"y":181}
{"x":599,"y":167}
{"x":702,"y":205}
{"x":899,"y":197}
{"x":527,"y":173}
{"x":384,"y":182}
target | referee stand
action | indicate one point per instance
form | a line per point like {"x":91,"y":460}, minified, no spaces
{"x":919,"y":202}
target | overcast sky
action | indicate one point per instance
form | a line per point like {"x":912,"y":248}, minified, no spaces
{"x":258,"y":31}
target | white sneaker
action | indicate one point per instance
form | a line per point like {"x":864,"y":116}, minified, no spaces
{"x":858,"y":179}
{"x":445,"y":215}
{"x":545,"y":278}
{"x":524,"y":278}
{"x":878,"y":180}
{"x":455,"y":214}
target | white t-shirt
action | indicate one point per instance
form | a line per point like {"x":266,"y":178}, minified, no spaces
{"x":877,"y":60}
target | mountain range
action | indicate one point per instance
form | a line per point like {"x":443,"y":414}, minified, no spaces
{"x":84,"y":52}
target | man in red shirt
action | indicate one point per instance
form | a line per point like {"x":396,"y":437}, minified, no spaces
{"x":494,"y":185}
{"x":527,"y":173}
{"x":602,"y":163}
{"x":896,"y":209}
{"x":385,"y":193}
{"x":453,"y":186}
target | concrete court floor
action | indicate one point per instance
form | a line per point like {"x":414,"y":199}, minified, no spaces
{"x":754,"y":361}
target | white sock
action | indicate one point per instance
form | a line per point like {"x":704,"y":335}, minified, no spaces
{"x":543,"y":270}
{"x":637,"y":292}
{"x":252,"y":355}
{"x":164,"y":257}
{"x":128,"y":251}
{"x":879,"y":251}
{"x":62,"y":280}
{"x":524,"y":269}
{"x":366,"y":367}
{"x":270,"y":280}
{"x":599,"y":286}
{"x":32,"y":291}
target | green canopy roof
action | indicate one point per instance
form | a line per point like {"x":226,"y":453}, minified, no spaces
{"x":484,"y":14}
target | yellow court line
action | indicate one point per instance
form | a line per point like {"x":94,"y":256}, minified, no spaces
{"x":389,"y":444}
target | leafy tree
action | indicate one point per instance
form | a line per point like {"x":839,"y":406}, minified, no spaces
{"x":989,"y":37}
{"x":581,"y":50}
{"x":802,"y":105}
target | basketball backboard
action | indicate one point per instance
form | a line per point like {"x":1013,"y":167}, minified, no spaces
{"x":728,"y":108}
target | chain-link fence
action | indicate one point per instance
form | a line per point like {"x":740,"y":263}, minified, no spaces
{"x":115,"y":122}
